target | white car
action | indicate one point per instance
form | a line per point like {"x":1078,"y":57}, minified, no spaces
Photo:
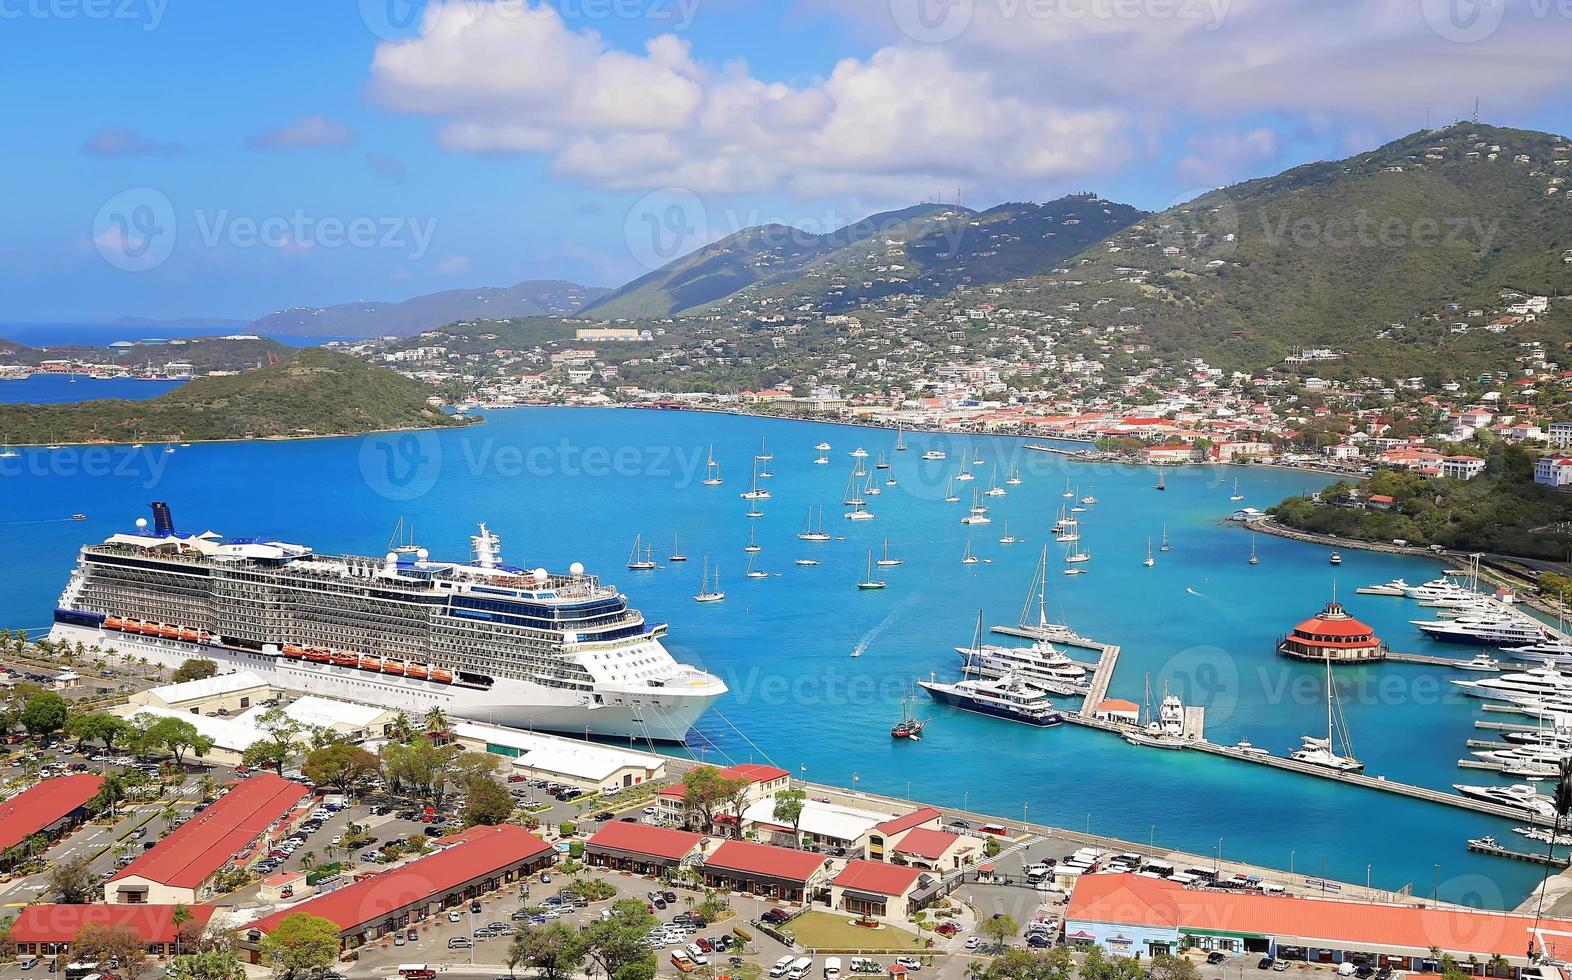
{"x":911,"y":963}
{"x":973,"y":942}
{"x":649,"y":811}
{"x":696,"y":954}
{"x":455,"y":917}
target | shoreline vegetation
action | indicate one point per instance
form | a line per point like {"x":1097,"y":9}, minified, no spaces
{"x":313,"y":394}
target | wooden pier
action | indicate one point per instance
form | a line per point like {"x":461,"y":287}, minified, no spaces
{"x":1399,"y":657}
{"x":1480,"y":847}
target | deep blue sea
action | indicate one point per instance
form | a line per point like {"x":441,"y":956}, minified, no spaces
{"x":43,"y":389}
{"x":103,"y":334}
{"x":565,"y":485}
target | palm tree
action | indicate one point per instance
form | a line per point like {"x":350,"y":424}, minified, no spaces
{"x":308,"y":860}
{"x":436,"y":722}
{"x":1563,"y":807}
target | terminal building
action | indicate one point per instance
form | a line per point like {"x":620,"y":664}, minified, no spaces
{"x":878,"y":890}
{"x":1333,"y":635}
{"x":231,"y":833}
{"x":41,"y":930}
{"x":466,"y":866}
{"x":47,"y":809}
{"x":1132,"y":914}
{"x":781,"y":873}
{"x":643,"y":849}
{"x":586,"y":765}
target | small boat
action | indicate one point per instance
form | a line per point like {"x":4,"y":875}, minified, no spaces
{"x":900,"y":440}
{"x":859,"y":453}
{"x":753,"y":572}
{"x":887,"y":561}
{"x":806,"y":561}
{"x":1254,"y":558}
{"x":639,"y":559}
{"x":1068,"y":493}
{"x":1165,"y":545}
{"x":676,"y":552}
{"x":1236,"y":495}
{"x":441,"y":676}
{"x":1008,"y":538}
{"x":707,"y":592}
{"x":910,"y":727}
{"x":1483,"y":663}
{"x":821,"y":460}
{"x":890,"y":482}
{"x":994,"y":489}
{"x":712,"y":477}
{"x":823,"y":447}
{"x":79,"y":517}
{"x":1396,"y":587}
{"x":1150,"y":561}
{"x":950,"y":496}
{"x":810,"y":532}
{"x":968,"y":558}
{"x":170,"y":447}
{"x":6,"y":452}
{"x":1335,"y":559}
{"x":1161,"y":483}
{"x":752,"y":547}
{"x":754,"y":512}
{"x":883,"y":463}
{"x":1014,"y":479}
{"x":1244,"y":746}
{"x":870,"y":583}
{"x":933,"y":454}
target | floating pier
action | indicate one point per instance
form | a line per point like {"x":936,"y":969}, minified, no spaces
{"x":1481,"y":847}
{"x":1102,"y":675}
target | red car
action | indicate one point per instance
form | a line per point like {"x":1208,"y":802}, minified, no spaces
{"x":704,"y":944}
{"x":947,"y":929}
{"x":515,"y":778}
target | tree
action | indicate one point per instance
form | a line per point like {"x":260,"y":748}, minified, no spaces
{"x":300,"y":943}
{"x":555,"y":950}
{"x":194,"y":670}
{"x":44,"y":714}
{"x":1100,"y":967}
{"x":339,"y":766}
{"x":999,"y":928}
{"x":72,"y":880}
{"x":97,"y":726}
{"x":100,"y":943}
{"x":788,"y":809}
{"x":706,"y":791}
{"x":110,"y":792}
{"x":178,"y":736}
{"x":206,"y":966}
{"x":283,"y":732}
{"x":1166,"y":967}
{"x":616,"y":945}
{"x":180,"y":915}
{"x":488,"y":803}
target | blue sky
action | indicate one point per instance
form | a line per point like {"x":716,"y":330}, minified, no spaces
{"x":178,"y":158}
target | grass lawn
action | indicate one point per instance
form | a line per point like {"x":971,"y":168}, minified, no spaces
{"x":822,"y":930}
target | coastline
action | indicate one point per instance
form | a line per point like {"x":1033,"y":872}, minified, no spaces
{"x":74,"y":444}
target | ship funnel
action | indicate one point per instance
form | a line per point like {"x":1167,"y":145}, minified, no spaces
{"x":163,"y":523}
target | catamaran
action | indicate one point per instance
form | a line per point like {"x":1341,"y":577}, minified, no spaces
{"x":712,"y":477}
{"x":708,"y":593}
{"x":979,"y":511}
{"x":964,"y":475}
{"x":994,"y":490}
{"x":810,"y":532}
{"x":639,"y":559}
{"x":1319,"y":751}
{"x":854,"y":499}
{"x":755,"y":492}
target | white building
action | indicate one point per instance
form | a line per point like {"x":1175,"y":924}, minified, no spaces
{"x":586,"y":765}
{"x":1554,"y":471}
{"x":1462,"y":467}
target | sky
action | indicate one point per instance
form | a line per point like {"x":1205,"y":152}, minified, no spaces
{"x":198,"y":158}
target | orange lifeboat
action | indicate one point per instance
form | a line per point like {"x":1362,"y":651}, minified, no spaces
{"x":113,"y":623}
{"x":441,"y":676}
{"x":188,"y":634}
{"x":169,"y":632}
{"x":370,"y":663}
{"x":417,"y":671}
{"x":293,"y":652}
{"x":317,"y":656}
{"x":146,"y":629}
{"x":393,"y":666}
{"x":345,"y":660}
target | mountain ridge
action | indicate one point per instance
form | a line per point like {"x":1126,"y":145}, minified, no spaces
{"x":402,"y":318}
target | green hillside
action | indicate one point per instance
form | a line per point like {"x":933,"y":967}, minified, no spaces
{"x":1361,"y":255}
{"x":314,"y":392}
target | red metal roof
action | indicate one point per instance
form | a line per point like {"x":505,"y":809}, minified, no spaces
{"x":907,"y":821}
{"x":1134,"y":900}
{"x":765,"y":859}
{"x":61,"y":923}
{"x":33,"y":809}
{"x":479,"y":852}
{"x":640,"y":838}
{"x":877,"y":877}
{"x":925,"y":842}
{"x":210,"y":839}
{"x":754,"y":772}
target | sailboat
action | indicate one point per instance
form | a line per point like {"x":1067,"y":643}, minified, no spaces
{"x":1165,"y":545}
{"x":854,"y":499}
{"x":1007,"y":537}
{"x":755,"y":572}
{"x":900,"y":440}
{"x":1166,"y":730}
{"x":752,"y":547}
{"x":979,"y":511}
{"x":887,"y":561}
{"x":1014,"y":479}
{"x":964,"y":475}
{"x":1068,"y":493}
{"x":1236,"y":495}
{"x":676,"y":552}
{"x":1076,"y":555}
{"x":764,"y":453}
{"x":755,"y":492}
{"x":950,"y":496}
{"x":6,"y":452}
{"x":869,"y":490}
{"x":708,"y":593}
{"x":811,"y":533}
{"x":821,"y":460}
{"x":883,"y":463}
{"x":1254,"y":559}
{"x":968,"y":558}
{"x":1067,"y":528}
{"x":994,"y":490}
{"x":169,"y":447}
{"x":1150,"y":561}
{"x":712,"y":477}
{"x":910,"y":726}
{"x":1320,"y":751}
{"x":870,"y":582}
{"x":639,"y":559}
{"x":1161,"y":483}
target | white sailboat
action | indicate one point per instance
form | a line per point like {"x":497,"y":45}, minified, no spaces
{"x":979,"y":511}
{"x":1236,"y":495}
{"x":639,"y":559}
{"x":950,"y":496}
{"x":755,"y":572}
{"x":1007,"y":537}
{"x":887,"y":561}
{"x":968,"y":558}
{"x":964,"y":475}
{"x":994,"y":490}
{"x":752,"y":547}
{"x":870,"y":583}
{"x":1076,"y":555}
{"x":764,"y":452}
{"x":712,"y":477}
{"x":810,"y":532}
{"x":1068,"y":493}
{"x":1014,"y":479}
{"x":6,"y":452}
{"x":900,"y":440}
{"x":1321,"y":751}
{"x":1254,"y":558}
{"x":1165,"y":545}
{"x":755,"y":492}
{"x":676,"y":552}
{"x":708,"y":593}
{"x":854,"y":499}
{"x":821,"y":460}
{"x":1150,"y":561}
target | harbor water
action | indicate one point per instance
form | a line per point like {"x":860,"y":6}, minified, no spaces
{"x":817,"y":667}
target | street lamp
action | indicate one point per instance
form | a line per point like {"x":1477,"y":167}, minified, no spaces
{"x":1367,"y":882}
{"x":1024,"y":807}
{"x":1323,"y":876}
{"x":1435,"y":885}
{"x":1088,"y":823}
{"x":1290,"y":863}
{"x":1151,"y":843}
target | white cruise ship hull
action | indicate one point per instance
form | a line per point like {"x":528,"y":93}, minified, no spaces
{"x":663,"y":716}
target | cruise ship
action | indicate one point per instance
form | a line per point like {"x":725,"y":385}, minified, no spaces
{"x":480,"y":640}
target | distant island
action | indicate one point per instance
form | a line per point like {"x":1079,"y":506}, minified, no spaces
{"x":313,"y":392}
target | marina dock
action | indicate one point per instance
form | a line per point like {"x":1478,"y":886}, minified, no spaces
{"x":1481,"y":847}
{"x":1102,"y":675}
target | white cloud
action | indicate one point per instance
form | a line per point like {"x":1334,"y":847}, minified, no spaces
{"x":311,"y":132}
{"x":1217,"y":157}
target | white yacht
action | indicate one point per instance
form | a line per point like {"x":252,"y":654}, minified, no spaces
{"x":812,"y":532}
{"x":1319,"y":751}
{"x":1519,"y":796}
{"x":1493,"y":630}
{"x":934,"y":454}
{"x":1041,"y":661}
{"x":1005,"y":697}
{"x":1396,"y":587}
{"x":1166,"y":731}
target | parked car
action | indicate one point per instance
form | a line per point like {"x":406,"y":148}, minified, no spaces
{"x":1265,"y":964}
{"x":911,"y":963}
{"x":460,"y":942}
{"x":1216,"y":956}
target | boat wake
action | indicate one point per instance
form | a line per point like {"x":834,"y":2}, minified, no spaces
{"x":1193,"y":592}
{"x":873,"y":634}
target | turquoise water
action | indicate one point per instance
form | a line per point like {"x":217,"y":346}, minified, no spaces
{"x":47,"y":389}
{"x":563,"y":485}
